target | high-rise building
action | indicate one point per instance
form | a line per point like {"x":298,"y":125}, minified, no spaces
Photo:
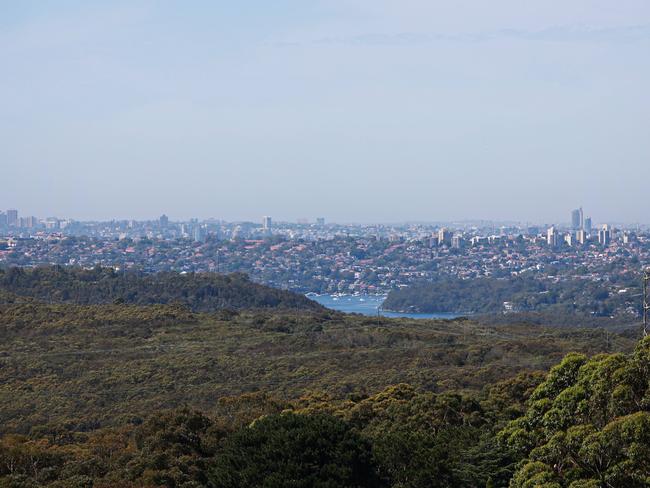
{"x":629,"y":237}
{"x":12,"y":217}
{"x":3,"y":219}
{"x":605,"y":235}
{"x":581,"y":236}
{"x":267,"y":223}
{"x":198,"y":234}
{"x":552,"y":237}
{"x":27,"y":222}
{"x":587,"y":226}
{"x":577,"y":219}
{"x":320,"y":221}
{"x":444,"y":237}
{"x":163,"y":221}
{"x":457,"y":242}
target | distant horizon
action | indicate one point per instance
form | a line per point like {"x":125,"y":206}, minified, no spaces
{"x":312,"y":220}
{"x":363,"y":111}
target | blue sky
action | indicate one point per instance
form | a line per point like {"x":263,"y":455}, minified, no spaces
{"x":353,"y":110}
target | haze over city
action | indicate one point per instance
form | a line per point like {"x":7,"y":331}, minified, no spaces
{"x":361,"y":111}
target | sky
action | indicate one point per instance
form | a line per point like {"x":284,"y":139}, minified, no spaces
{"x":353,"y":110}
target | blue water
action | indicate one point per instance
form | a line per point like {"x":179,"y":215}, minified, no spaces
{"x":369,"y":305}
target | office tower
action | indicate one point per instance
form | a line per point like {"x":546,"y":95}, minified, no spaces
{"x":604,"y":235}
{"x":320,"y":221}
{"x":552,"y":237}
{"x":577,"y":219}
{"x":457,"y":242}
{"x":267,"y":223}
{"x":587,"y":226}
{"x":444,"y":237}
{"x":163,"y":221}
{"x":12,"y":217}
{"x":581,"y":236}
{"x":198,"y":234}
{"x":3,"y":219}
{"x":570,"y":239}
{"x":27,"y":222}
{"x":582,"y":219}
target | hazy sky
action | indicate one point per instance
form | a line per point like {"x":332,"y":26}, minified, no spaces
{"x":355,"y":110}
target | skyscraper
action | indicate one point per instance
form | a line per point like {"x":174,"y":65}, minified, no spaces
{"x":163,"y":221}
{"x":12,"y":217}
{"x":588,"y":225}
{"x":605,"y":235}
{"x":267,"y":223}
{"x":444,"y":237}
{"x":198,"y":234}
{"x":577,"y":219}
{"x":27,"y":222}
{"x":629,"y":237}
{"x":552,"y":237}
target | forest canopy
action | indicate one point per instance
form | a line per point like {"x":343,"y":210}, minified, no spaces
{"x":201,"y":292}
{"x":109,"y":393}
{"x":524,"y":293}
{"x":584,"y":424}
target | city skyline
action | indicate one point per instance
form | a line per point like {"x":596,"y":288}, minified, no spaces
{"x":265,"y":220}
{"x":364,"y":258}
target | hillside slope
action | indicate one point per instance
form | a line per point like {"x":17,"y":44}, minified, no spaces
{"x":526,"y":293}
{"x":201,"y":292}
{"x":100,"y":363}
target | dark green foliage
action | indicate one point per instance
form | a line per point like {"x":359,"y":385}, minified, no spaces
{"x":587,"y":424}
{"x":421,"y":439}
{"x":174,"y":449}
{"x":201,"y":292}
{"x":565,"y":302}
{"x":295,"y":451}
{"x":103,"y":365}
{"x":119,"y":395}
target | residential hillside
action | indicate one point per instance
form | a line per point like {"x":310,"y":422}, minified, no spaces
{"x":201,"y":292}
